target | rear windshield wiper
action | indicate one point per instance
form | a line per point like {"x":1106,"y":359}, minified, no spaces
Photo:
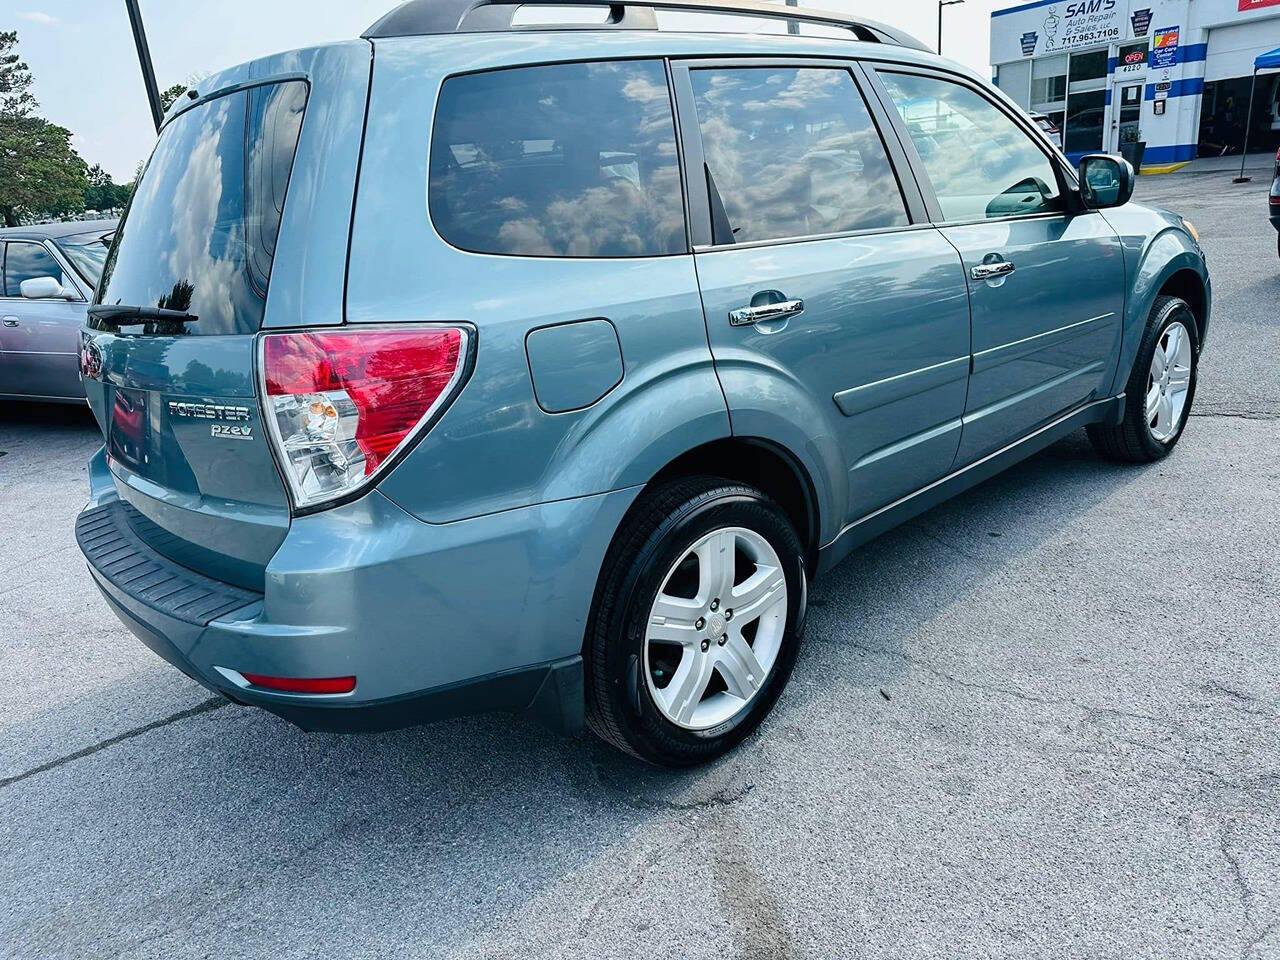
{"x":126,"y":315}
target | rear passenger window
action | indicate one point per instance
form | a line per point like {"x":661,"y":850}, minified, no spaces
{"x":982,"y":165}
{"x":570,"y":160}
{"x":794,"y":153}
{"x":25,"y":261}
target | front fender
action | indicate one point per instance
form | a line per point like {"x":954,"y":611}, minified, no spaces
{"x":1155,"y":248}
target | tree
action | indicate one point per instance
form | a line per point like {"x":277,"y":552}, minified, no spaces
{"x":168,"y":96}
{"x":40,"y":173}
{"x":102,"y":193}
{"x":15,"y":78}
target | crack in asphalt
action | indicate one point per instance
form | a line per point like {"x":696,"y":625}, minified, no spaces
{"x":1238,"y":414}
{"x":629,"y":880}
{"x":213,"y":703}
{"x":724,"y":797}
{"x":1256,"y":786}
{"x":1254,"y":935}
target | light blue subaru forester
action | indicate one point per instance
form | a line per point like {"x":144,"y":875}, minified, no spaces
{"x":491,"y":363}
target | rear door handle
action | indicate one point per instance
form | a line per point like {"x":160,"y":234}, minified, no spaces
{"x":745,"y":316}
{"x":989,"y":271}
{"x":10,"y":321}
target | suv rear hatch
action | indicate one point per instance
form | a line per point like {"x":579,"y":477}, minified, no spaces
{"x":208,"y":254}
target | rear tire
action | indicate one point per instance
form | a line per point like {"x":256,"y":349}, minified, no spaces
{"x":1161,"y":388}
{"x":673,"y":676}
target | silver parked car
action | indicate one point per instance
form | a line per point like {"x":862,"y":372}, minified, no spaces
{"x":47,"y":275}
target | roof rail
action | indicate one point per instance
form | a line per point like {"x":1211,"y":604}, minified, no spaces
{"x":423,"y":17}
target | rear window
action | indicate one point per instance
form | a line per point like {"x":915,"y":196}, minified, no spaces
{"x":199,"y":235}
{"x":569,"y":160}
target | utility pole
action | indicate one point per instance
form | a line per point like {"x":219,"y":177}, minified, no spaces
{"x":144,"y":60}
{"x":793,"y":26}
{"x":941,"y":4}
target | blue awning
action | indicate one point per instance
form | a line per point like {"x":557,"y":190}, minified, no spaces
{"x":1266,"y":61}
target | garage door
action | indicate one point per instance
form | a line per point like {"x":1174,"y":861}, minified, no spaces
{"x":1232,"y":49}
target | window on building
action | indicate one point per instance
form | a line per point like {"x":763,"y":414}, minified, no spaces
{"x":1091,"y":65}
{"x":568,"y":160}
{"x":1015,"y":80}
{"x":1086,"y":101}
{"x":1084,"y":122}
{"x":1049,"y":84}
{"x":1133,"y":55}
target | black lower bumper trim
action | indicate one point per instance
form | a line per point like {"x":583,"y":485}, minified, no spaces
{"x":550,"y":693}
{"x":110,"y":542}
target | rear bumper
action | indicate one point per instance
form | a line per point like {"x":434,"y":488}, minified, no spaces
{"x":433,"y":621}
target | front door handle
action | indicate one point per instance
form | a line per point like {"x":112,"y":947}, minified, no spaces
{"x":10,"y":321}
{"x":992,"y":270}
{"x":745,"y":316}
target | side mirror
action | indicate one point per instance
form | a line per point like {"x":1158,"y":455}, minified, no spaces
{"x":1105,"y":181}
{"x":41,"y":288}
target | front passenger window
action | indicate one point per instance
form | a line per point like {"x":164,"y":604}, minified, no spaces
{"x":982,"y":164}
{"x":26,"y":261}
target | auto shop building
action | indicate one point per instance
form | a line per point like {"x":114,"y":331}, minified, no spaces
{"x":1173,"y":74}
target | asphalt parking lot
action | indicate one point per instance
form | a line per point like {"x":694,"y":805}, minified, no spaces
{"x":1040,"y":720}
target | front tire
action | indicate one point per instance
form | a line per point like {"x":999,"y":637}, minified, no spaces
{"x":696,"y":622}
{"x":1161,"y":388}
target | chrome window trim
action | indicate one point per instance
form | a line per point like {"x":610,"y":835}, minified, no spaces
{"x":813,"y":238}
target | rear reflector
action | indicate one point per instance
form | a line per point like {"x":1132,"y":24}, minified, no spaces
{"x":302,"y":684}
{"x":339,"y":405}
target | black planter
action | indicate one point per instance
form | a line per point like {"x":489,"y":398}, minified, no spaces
{"x":1133,"y":152}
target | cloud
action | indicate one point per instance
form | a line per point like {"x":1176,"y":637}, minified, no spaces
{"x":35,"y":16}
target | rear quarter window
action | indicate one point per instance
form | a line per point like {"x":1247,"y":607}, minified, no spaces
{"x":566,"y":160}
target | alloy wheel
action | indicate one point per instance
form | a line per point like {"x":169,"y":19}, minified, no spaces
{"x":715,"y":628}
{"x":1168,"y":382}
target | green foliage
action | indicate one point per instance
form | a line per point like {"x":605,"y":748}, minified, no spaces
{"x":15,"y":78}
{"x":40,"y":173}
{"x":167,"y":97}
{"x":102,"y":193}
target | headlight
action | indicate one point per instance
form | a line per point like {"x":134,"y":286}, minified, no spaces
{"x":1191,"y":229}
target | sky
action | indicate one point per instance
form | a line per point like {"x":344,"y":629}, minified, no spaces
{"x":87,"y":77}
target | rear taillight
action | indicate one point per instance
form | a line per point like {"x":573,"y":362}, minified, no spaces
{"x":339,"y":405}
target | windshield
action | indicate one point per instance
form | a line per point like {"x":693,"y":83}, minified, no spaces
{"x":87,"y":253}
{"x":199,"y":234}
